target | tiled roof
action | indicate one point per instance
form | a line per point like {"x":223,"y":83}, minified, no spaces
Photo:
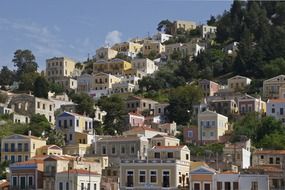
{"x":60,"y":157}
{"x":143,"y":128}
{"x":51,"y":147}
{"x":29,"y":162}
{"x":79,"y":171}
{"x":24,"y":136}
{"x":136,"y":114}
{"x":168,"y":147}
{"x":194,"y":165}
{"x":278,"y":152}
{"x":268,"y":168}
{"x":280,"y":100}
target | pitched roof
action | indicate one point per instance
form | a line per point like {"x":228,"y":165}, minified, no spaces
{"x":169,"y":147}
{"x":142,"y":128}
{"x":279,"y":100}
{"x":135,"y":114}
{"x":203,"y":170}
{"x":278,"y":152}
{"x":80,"y":172}
{"x":23,"y":136}
{"x":51,"y":147}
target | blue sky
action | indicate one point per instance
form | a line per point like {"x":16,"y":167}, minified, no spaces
{"x":76,"y":28}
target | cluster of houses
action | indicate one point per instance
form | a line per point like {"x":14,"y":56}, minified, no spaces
{"x":147,"y":155}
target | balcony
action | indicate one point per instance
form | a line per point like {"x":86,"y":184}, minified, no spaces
{"x":129,"y":184}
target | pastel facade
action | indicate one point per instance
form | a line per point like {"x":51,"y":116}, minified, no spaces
{"x":208,"y":31}
{"x":85,"y":83}
{"x":138,"y":104}
{"x":67,"y":83}
{"x":238,"y":153}
{"x":225,"y":107}
{"x":77,"y":179}
{"x":276,"y":108}
{"x":105,"y":53}
{"x":104,"y":81}
{"x":164,"y":140}
{"x":136,"y":119}
{"x":145,"y":65}
{"x":166,"y":167}
{"x":26,"y":175}
{"x":161,"y":37}
{"x":183,"y":25}
{"x":77,"y":129}
{"x":238,"y":82}
{"x":121,"y":147}
{"x":59,"y":67}
{"x":114,"y":66}
{"x":143,"y":131}
{"x":131,"y":47}
{"x":122,"y":87}
{"x":49,"y":150}
{"x":190,"y":134}
{"x":25,"y":104}
{"x":208,"y":87}
{"x":18,"y":148}
{"x":152,"y":46}
{"x":249,"y":104}
{"x":271,"y":87}
{"x":211,"y":126}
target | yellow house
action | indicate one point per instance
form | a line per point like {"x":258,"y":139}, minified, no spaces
{"x":182,"y":24}
{"x":114,"y":66}
{"x":167,"y":167}
{"x":132,"y":47}
{"x":49,"y":150}
{"x":103,"y":81}
{"x":152,"y":46}
{"x":59,"y":67}
{"x":18,"y":148}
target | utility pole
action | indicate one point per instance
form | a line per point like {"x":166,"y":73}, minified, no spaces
{"x":89,"y":187}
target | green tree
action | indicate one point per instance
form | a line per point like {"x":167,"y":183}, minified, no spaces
{"x":165,"y":25}
{"x":38,"y":125}
{"x":27,"y":81}
{"x":3,"y":97}
{"x":181,"y":101}
{"x":114,"y":120}
{"x":25,"y":62}
{"x":55,"y":137}
{"x":85,"y":103}
{"x":41,"y":87}
{"x":6,"y":76}
{"x":56,"y":88}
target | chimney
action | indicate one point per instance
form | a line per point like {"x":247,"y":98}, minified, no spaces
{"x":30,"y":133}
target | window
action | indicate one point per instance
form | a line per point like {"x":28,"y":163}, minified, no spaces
{"x":23,"y":182}
{"x":67,"y":186}
{"x":156,"y":155}
{"x":132,"y":150}
{"x":88,"y":186}
{"x":281,"y":111}
{"x":153,"y":176}
{"x":227,"y":185}
{"x":60,"y":186}
{"x":59,"y":123}
{"x":70,"y":137}
{"x":236,"y":186}
{"x":122,"y":150}
{"x":261,"y":157}
{"x":6,"y":147}
{"x":219,"y":185}
{"x":271,"y":160}
{"x":12,"y":147}
{"x":26,"y":147}
{"x":44,"y":106}
{"x":165,"y":178}
{"x":19,"y":158}
{"x":190,"y":133}
{"x":187,"y":156}
{"x":170,"y":155}
{"x":104,"y":150}
{"x":277,"y":160}
{"x":50,"y":107}
{"x":207,"y":186}
{"x":34,"y":146}
{"x":113,"y":150}
{"x":212,"y":134}
{"x":142,"y":176}
{"x":254,"y":185}
{"x":130,"y":178}
{"x":30,"y":181}
{"x":38,"y":105}
{"x":77,"y":123}
{"x":70,"y":122}
{"x":196,"y":186}
{"x":82,"y":186}
{"x":95,"y":186}
{"x":273,"y":110}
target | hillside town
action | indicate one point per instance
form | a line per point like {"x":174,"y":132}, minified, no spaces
{"x":163,"y":111}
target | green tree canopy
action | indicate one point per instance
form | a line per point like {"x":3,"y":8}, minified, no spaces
{"x":41,"y":87}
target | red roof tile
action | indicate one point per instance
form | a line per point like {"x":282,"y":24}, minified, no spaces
{"x":278,"y":152}
{"x":79,"y":171}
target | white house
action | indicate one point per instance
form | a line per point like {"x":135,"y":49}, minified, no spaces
{"x":211,"y":126}
{"x":77,"y":179}
{"x":276,"y":108}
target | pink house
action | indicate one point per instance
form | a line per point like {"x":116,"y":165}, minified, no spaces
{"x":136,"y":119}
{"x":190,"y":134}
{"x":208,"y":87}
